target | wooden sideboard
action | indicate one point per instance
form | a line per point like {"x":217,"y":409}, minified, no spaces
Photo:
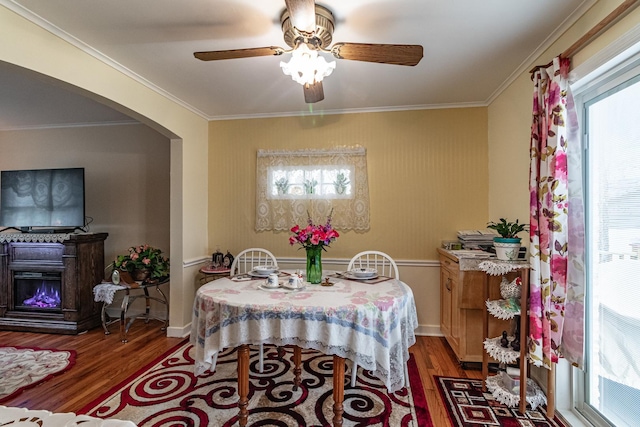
{"x":75,"y":264}
{"x":462,"y":305}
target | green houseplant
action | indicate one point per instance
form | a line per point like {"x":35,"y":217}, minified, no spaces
{"x":508,"y":229}
{"x":143,"y":258}
{"x":508,"y":244}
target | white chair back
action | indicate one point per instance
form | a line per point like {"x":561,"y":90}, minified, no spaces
{"x":382,"y":262}
{"x":248,"y":259}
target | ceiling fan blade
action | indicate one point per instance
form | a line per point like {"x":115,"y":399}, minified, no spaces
{"x":302,"y":14}
{"x":398,"y":54}
{"x":313,"y":93}
{"x":238,"y":53}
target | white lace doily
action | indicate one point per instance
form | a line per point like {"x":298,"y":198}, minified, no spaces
{"x":535,"y":395}
{"x":34,"y":237}
{"x":500,"y":353}
{"x":503,"y":309}
{"x":499,"y":268}
{"x":104,"y":292}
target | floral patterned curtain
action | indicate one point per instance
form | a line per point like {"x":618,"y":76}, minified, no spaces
{"x":556,"y":305}
{"x":330,"y":182}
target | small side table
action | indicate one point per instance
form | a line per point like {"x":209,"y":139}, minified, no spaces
{"x":209,"y":274}
{"x":131,"y":294}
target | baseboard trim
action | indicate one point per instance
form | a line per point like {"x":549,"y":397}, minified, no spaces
{"x":429,"y":331}
{"x":179,"y":332}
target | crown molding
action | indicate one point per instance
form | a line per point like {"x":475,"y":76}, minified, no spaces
{"x":350,"y":111}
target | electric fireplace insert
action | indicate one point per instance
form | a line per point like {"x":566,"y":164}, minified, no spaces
{"x":37,"y":291}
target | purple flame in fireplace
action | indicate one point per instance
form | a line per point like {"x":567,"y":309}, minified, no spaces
{"x":45,"y":297}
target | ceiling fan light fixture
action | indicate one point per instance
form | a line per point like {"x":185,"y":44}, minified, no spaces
{"x":306,"y":66}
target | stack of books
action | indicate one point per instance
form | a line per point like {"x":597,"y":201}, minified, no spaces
{"x":476,"y":239}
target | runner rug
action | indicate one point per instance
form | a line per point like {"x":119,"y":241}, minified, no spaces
{"x":467,"y":405}
{"x":167,"y":393}
{"x":21,"y":368}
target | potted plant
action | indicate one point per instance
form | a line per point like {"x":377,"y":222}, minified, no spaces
{"x":341,"y":183}
{"x":143,"y":262}
{"x":508,"y":244}
{"x":282,"y":185}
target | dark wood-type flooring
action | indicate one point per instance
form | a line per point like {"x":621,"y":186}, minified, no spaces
{"x":103,"y":361}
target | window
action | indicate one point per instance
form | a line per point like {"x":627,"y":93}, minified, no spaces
{"x":292,"y":185}
{"x":303,"y":182}
{"x":610,"y":384}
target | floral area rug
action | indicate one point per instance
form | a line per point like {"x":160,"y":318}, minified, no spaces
{"x":22,"y":367}
{"x":467,"y":405}
{"x":166,"y":392}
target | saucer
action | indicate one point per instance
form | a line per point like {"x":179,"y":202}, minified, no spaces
{"x":286,"y":285}
{"x":264,"y":287}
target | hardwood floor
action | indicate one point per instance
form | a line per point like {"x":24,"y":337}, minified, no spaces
{"x":103,"y":361}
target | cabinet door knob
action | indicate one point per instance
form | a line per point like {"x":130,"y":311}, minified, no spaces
{"x":448,"y":284}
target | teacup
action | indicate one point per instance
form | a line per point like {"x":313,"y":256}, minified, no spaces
{"x":295,"y":281}
{"x":272,"y":281}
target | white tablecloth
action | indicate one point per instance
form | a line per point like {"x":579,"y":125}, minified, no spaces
{"x":371,"y":324}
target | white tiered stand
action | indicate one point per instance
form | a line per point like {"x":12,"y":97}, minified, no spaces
{"x":531,"y":394}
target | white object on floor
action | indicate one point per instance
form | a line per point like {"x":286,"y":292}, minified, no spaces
{"x":23,"y":417}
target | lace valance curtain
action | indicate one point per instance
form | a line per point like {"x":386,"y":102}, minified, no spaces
{"x":293,"y":184}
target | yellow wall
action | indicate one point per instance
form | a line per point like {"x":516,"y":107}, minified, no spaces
{"x":427,"y":177}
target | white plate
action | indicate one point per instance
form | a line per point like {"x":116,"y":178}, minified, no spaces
{"x":363,"y":273}
{"x":269,"y":288}
{"x":350,"y":276}
{"x":265,"y":269}
{"x":286,"y":285}
{"x":254,"y":273}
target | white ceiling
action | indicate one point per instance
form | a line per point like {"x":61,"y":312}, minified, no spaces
{"x":472,"y":50}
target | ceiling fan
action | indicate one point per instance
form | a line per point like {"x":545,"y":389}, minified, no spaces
{"x":308,"y":29}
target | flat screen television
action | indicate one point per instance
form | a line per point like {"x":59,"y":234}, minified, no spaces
{"x":42,"y":200}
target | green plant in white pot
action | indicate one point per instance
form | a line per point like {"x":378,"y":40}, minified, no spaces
{"x":508,"y":244}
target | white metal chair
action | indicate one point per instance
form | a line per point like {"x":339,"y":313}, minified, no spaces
{"x":243,"y":263}
{"x":382,"y":262}
{"x":248,"y":259}
{"x":386,"y":266}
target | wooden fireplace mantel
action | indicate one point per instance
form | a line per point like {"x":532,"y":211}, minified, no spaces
{"x":80,"y":262}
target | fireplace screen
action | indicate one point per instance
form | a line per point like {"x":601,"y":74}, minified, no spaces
{"x":37,"y":291}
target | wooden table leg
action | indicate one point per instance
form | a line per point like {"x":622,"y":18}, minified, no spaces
{"x":338,"y":390}
{"x":243,"y":384}
{"x":297,"y":369}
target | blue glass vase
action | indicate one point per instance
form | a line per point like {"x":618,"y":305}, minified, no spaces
{"x":314,"y":264}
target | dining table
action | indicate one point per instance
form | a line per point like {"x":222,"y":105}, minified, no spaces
{"x":370,"y":322}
